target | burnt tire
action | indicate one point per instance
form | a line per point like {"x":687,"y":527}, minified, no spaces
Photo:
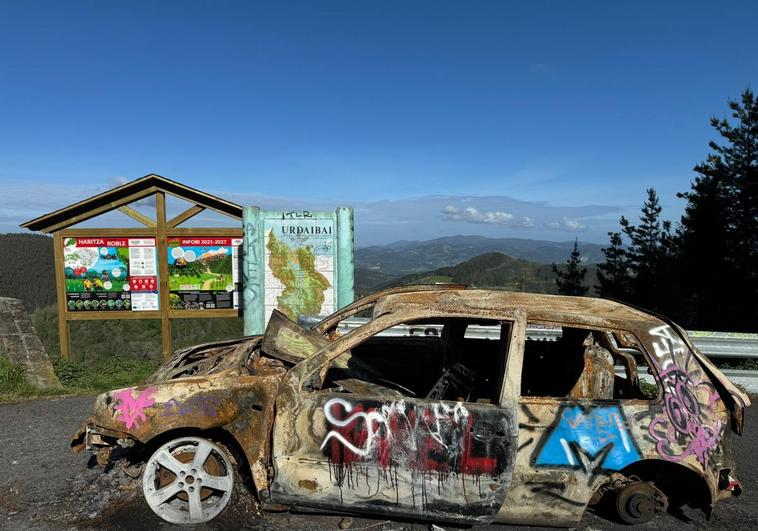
{"x":189,"y":480}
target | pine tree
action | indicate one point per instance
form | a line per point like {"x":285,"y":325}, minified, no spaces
{"x":719,"y":228}
{"x":613,"y":275}
{"x":571,"y":281}
{"x":646,"y":254}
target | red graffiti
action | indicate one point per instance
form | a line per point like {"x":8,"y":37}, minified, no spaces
{"x":438,"y":437}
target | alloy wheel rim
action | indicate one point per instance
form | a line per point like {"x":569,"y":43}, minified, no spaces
{"x":188,"y":481}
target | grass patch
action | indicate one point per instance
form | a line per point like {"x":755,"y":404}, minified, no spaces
{"x":76,"y":377}
{"x":14,"y":384}
{"x":103,"y":374}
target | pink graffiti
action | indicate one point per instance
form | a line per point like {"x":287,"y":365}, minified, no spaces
{"x":685,"y":421}
{"x":129,"y":410}
{"x":704,"y":440}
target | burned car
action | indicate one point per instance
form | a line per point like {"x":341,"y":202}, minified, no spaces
{"x":441,"y":404}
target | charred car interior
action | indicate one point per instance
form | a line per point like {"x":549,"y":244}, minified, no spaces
{"x":444,"y":366}
{"x":442,"y":404}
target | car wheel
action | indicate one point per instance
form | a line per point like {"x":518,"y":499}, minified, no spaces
{"x":639,"y":502}
{"x":188,"y":480}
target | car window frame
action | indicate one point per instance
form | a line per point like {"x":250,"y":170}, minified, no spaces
{"x":606,"y":329}
{"x":301,"y":373}
{"x":331,"y":322}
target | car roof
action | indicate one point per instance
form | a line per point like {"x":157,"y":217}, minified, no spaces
{"x":537,"y":307}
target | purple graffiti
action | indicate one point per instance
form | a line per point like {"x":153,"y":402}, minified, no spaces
{"x":683,"y":423}
{"x":687,"y":426}
{"x":196,"y":405}
{"x":129,"y":410}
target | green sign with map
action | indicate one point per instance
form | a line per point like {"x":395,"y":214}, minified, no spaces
{"x":299,"y":262}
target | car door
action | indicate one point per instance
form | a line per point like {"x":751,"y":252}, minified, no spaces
{"x":384,"y":453}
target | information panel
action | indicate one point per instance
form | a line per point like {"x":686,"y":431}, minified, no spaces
{"x":204,"y":273}
{"x":299,"y":266}
{"x":110,"y":274}
{"x":299,"y":262}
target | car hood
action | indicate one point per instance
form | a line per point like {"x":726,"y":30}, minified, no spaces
{"x":208,"y":358}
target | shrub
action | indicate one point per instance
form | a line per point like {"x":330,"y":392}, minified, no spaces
{"x":650,"y":391}
{"x":70,"y":373}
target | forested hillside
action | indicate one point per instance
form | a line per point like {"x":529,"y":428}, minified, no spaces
{"x":26,"y":269}
{"x":494,"y":270}
{"x":405,"y":257}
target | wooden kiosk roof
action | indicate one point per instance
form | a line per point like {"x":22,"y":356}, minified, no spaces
{"x":121,"y":196}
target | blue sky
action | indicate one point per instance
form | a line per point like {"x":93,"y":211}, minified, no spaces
{"x":522,"y":119}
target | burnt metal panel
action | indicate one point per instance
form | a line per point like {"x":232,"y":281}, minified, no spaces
{"x":444,"y":461}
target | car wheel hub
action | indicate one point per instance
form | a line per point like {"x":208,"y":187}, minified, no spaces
{"x":188,"y":480}
{"x":639,"y":502}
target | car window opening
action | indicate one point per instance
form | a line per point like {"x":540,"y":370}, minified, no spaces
{"x":579,"y":363}
{"x":453,"y":359}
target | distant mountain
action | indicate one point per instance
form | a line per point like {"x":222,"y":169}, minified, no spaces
{"x":369,"y":280}
{"x":405,"y":257}
{"x":26,"y":269}
{"x":494,"y":270}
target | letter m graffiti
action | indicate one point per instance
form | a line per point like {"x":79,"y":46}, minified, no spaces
{"x":593,"y":438}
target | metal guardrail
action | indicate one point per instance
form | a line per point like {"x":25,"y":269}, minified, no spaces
{"x":723,"y":345}
{"x":713,"y":344}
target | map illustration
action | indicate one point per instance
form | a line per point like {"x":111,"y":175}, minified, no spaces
{"x":299,"y":275}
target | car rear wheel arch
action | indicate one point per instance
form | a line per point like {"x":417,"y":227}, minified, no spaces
{"x":680,"y":484}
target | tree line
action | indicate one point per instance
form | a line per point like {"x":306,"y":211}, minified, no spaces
{"x":26,"y":269}
{"x":702,"y":271}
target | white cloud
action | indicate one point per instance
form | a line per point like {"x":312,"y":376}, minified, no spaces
{"x":493,"y":217}
{"x":526,"y":222}
{"x":473,"y":215}
{"x":567,"y":224}
{"x":452,"y":213}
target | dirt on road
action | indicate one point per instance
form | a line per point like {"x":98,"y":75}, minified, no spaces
{"x":43,"y":485}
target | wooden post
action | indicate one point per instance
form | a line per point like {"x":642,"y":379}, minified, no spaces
{"x":64,"y":336}
{"x":162,"y":250}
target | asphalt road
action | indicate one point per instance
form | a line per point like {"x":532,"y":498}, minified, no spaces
{"x":43,"y":485}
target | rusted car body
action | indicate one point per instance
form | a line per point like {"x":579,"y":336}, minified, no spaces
{"x":442,"y":427}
